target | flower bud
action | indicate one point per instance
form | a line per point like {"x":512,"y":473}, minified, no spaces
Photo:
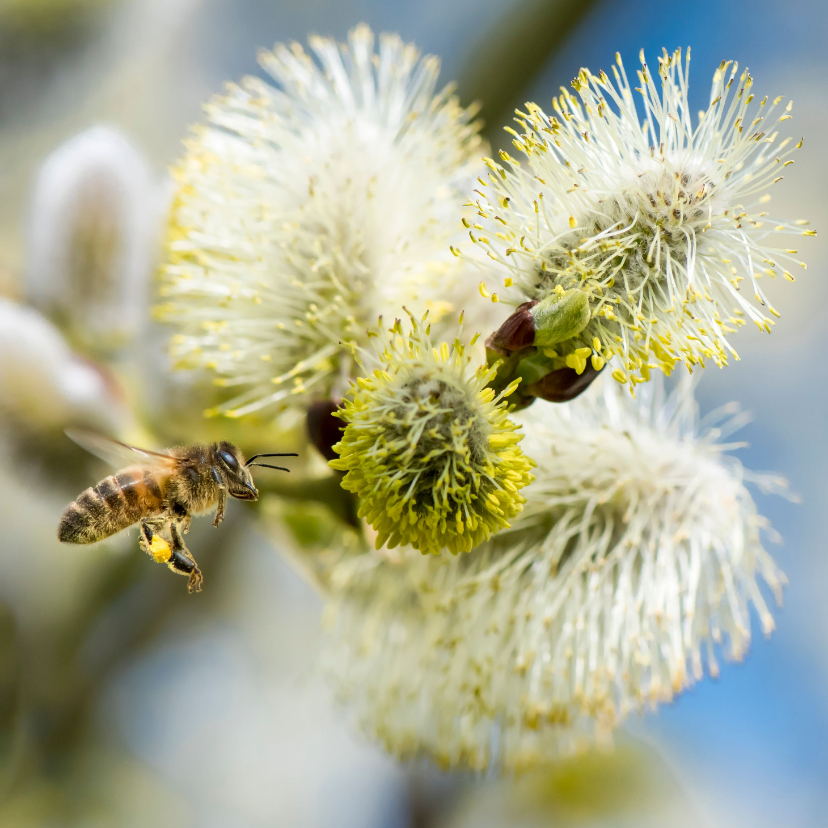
{"x":517,"y":332}
{"x":92,"y":239}
{"x":563,"y":384}
{"x":44,"y":386}
{"x":324,"y":429}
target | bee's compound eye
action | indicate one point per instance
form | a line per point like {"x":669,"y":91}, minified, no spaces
{"x":229,"y":460}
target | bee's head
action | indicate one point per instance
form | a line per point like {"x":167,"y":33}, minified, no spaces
{"x":232,"y":468}
{"x":236,"y":473}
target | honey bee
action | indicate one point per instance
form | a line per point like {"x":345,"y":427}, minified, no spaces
{"x":160,"y":492}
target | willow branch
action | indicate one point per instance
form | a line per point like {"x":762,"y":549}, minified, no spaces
{"x":512,"y":52}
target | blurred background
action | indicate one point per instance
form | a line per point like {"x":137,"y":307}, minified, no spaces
{"x":124,"y":701}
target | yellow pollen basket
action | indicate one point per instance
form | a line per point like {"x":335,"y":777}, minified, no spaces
{"x":160,"y":549}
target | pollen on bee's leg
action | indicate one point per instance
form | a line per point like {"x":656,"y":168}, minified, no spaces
{"x":159,"y":549}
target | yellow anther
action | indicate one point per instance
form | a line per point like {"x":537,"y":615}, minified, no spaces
{"x":576,"y":361}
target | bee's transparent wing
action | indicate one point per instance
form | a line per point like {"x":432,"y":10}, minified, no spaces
{"x":118,"y":454}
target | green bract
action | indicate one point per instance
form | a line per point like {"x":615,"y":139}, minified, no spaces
{"x":560,"y":317}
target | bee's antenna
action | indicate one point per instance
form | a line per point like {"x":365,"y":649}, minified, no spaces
{"x":268,"y":466}
{"x":255,"y":456}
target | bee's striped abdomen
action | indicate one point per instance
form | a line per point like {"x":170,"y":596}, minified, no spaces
{"x":115,"y":503}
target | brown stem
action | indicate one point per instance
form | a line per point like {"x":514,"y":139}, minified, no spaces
{"x":325,"y":490}
{"x":511,"y":52}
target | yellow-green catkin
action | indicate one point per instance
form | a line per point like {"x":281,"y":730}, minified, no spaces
{"x":429,"y":448}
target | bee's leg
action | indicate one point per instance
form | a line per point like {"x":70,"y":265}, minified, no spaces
{"x":145,"y":540}
{"x":222,"y":502}
{"x":182,"y":561}
{"x":182,"y":517}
